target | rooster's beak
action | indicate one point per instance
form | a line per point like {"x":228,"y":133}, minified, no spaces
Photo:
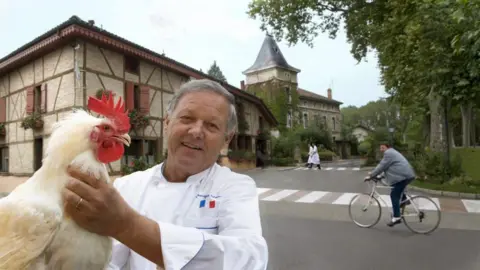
{"x":125,"y":139}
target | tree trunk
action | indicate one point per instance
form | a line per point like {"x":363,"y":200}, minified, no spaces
{"x":437,"y":123}
{"x":466,"y":109}
{"x":426,"y":129}
{"x":473,"y":134}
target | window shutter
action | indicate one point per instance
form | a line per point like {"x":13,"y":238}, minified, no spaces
{"x":30,"y":100}
{"x":3,"y":110}
{"x":43,"y":99}
{"x":129,"y":96}
{"x":144,"y":99}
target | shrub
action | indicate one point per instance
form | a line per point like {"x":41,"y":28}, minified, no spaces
{"x":283,"y":161}
{"x":327,"y":155}
{"x":139,"y":164}
{"x":431,"y":167}
{"x":364,"y":147}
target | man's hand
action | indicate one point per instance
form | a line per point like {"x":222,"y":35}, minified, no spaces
{"x":95,"y":205}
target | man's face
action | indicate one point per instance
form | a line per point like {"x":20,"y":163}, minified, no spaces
{"x":197,"y":131}
{"x":383,"y":148}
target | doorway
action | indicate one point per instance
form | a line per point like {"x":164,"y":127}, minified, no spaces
{"x":37,"y":153}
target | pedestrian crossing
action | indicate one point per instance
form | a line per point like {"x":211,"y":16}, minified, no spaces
{"x":327,"y":169}
{"x":344,"y":198}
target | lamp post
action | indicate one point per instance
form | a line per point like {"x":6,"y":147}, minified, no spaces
{"x":391,"y":130}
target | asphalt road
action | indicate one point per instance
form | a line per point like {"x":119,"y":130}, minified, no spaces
{"x":320,"y":236}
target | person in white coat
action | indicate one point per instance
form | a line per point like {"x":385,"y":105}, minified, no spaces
{"x":310,"y":152}
{"x":314,"y":157}
{"x":187,"y":212}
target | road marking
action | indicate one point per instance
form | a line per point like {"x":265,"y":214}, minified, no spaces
{"x":262,"y":190}
{"x":327,"y":169}
{"x":345,"y":198}
{"x":472,"y":205}
{"x":312,"y":197}
{"x":280,"y":195}
{"x":339,"y":198}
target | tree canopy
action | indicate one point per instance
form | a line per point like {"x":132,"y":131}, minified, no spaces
{"x":216,"y":72}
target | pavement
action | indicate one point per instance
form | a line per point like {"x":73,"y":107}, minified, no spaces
{"x":306,"y":225}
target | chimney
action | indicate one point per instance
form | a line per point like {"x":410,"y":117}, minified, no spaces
{"x":242,"y":85}
{"x":329,"y":93}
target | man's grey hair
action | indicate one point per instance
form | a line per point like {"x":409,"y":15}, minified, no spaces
{"x":206,"y":85}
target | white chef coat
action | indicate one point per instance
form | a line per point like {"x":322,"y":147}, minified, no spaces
{"x":212,"y":221}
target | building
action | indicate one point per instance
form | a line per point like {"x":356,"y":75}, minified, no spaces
{"x":275,"y":81}
{"x":361,"y":132}
{"x":45,"y":79}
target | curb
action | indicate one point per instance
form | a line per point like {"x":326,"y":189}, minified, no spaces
{"x":461,"y":195}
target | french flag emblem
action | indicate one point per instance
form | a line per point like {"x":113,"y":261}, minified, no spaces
{"x":211,"y":203}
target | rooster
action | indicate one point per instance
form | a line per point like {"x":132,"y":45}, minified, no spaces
{"x":34,"y":231}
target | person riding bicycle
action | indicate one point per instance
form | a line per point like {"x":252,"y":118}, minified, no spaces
{"x":398,"y":174}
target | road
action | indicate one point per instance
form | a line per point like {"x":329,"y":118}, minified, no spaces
{"x":311,"y":230}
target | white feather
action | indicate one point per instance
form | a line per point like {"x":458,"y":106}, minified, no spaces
{"x":32,"y":214}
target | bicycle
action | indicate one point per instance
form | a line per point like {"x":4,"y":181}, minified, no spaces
{"x":414,"y":204}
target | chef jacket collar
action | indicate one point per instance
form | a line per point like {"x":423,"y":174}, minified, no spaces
{"x":158,"y":176}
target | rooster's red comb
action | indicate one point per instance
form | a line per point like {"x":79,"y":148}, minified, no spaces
{"x":115,"y":113}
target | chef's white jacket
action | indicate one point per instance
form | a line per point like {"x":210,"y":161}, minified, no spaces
{"x":211,"y":221}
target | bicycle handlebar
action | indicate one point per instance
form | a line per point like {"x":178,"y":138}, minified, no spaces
{"x":375,"y":178}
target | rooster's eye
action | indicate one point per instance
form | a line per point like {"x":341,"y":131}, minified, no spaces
{"x":106,"y":128}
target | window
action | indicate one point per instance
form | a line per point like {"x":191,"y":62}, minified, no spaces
{"x":150,"y":150}
{"x":132,"y":64}
{"x":288,"y":94}
{"x":37,"y":98}
{"x":4,"y":159}
{"x":333,"y":123}
{"x":289,"y":119}
{"x":132,"y":152}
{"x":136,"y":97}
{"x":305,"y":120}
{"x":260,"y":123}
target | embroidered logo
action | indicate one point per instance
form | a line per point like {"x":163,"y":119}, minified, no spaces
{"x":207,"y":198}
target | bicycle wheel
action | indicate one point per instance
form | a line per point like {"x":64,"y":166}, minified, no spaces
{"x":422,"y":216}
{"x":364,"y":204}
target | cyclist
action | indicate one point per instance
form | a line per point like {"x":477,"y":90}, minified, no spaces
{"x":398,"y":174}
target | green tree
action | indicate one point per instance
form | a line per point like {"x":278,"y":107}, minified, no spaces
{"x":215,"y":72}
{"x":413,"y":41}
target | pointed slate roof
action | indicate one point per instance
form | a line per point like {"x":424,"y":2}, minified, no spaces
{"x":269,"y":56}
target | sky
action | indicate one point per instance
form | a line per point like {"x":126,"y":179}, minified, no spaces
{"x":196,"y":33}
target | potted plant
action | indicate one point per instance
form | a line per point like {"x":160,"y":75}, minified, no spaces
{"x":3,"y":131}
{"x":138,"y":120}
{"x":32,"y":121}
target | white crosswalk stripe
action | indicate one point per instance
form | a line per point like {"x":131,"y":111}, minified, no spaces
{"x":339,"y":198}
{"x":327,"y":169}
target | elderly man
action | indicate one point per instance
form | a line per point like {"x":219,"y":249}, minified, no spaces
{"x":188,"y":212}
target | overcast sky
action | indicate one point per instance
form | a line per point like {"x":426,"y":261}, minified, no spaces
{"x":196,"y":33}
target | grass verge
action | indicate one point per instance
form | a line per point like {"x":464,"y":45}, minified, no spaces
{"x":446,"y":187}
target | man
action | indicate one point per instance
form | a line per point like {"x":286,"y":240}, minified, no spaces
{"x":398,"y":174}
{"x":188,"y":212}
{"x":314,"y":157}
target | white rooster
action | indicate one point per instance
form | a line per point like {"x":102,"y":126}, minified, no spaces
{"x":34,"y":232}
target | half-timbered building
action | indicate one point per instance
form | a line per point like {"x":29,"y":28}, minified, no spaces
{"x":53,"y":74}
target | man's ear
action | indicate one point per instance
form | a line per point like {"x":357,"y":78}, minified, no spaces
{"x":166,"y":122}
{"x":229,"y":138}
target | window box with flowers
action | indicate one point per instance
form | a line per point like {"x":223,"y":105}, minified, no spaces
{"x":33,"y":121}
{"x":101,"y":92}
{"x":3,"y":130}
{"x":139,"y":164}
{"x":138,"y":120}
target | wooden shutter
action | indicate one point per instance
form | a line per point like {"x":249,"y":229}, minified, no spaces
{"x":3,"y":110}
{"x":30,"y":100}
{"x":129,"y":96}
{"x":43,"y":98}
{"x":144,"y":99}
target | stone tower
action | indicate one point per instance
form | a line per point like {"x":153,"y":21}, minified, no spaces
{"x":273,"y":80}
